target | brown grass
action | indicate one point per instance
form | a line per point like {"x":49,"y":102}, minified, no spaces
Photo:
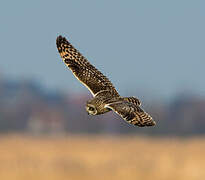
{"x":102,"y":157}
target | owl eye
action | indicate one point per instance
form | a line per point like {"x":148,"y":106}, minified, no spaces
{"x":91,"y":108}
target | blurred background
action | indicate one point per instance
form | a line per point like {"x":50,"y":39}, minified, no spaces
{"x":153,"y":50}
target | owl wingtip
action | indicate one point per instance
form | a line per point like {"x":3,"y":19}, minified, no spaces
{"x":152,"y":123}
{"x":60,"y":39}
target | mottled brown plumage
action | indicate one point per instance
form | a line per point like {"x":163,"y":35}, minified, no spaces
{"x":106,"y":97}
{"x":132,"y":113}
{"x":82,"y":69}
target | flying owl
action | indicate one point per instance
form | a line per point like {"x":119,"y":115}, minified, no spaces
{"x":105,"y":96}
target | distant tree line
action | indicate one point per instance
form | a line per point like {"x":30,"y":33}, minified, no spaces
{"x":27,"y":107}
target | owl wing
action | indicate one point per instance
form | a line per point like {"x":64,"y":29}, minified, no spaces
{"x":85,"y":72}
{"x":131,"y":113}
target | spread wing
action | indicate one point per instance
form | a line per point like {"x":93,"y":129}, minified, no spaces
{"x":85,"y":72}
{"x":132,"y":113}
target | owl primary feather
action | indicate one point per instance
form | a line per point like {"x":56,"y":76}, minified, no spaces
{"x":105,"y":96}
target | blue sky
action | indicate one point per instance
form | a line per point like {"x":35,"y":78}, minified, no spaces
{"x":154,"y":47}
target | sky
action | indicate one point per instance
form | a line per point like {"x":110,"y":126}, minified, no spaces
{"x":154,"y":47}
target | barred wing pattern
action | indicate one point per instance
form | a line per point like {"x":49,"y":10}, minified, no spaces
{"x":132,"y":113}
{"x":133,"y":100}
{"x":85,"y":72}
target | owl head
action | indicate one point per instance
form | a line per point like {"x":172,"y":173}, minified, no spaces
{"x":96,"y":106}
{"x":91,"y":109}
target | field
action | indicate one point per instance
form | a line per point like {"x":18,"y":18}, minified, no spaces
{"x":101,"y":157}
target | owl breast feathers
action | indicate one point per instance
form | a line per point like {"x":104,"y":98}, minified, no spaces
{"x":106,"y":97}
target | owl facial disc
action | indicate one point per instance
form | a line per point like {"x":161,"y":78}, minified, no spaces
{"x":91,"y":109}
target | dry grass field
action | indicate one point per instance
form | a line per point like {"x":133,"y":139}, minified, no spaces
{"x":101,"y":157}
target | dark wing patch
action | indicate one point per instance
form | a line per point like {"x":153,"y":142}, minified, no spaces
{"x":85,"y":72}
{"x":132,"y":113}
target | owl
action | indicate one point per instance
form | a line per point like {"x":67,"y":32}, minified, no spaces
{"x":105,"y":96}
